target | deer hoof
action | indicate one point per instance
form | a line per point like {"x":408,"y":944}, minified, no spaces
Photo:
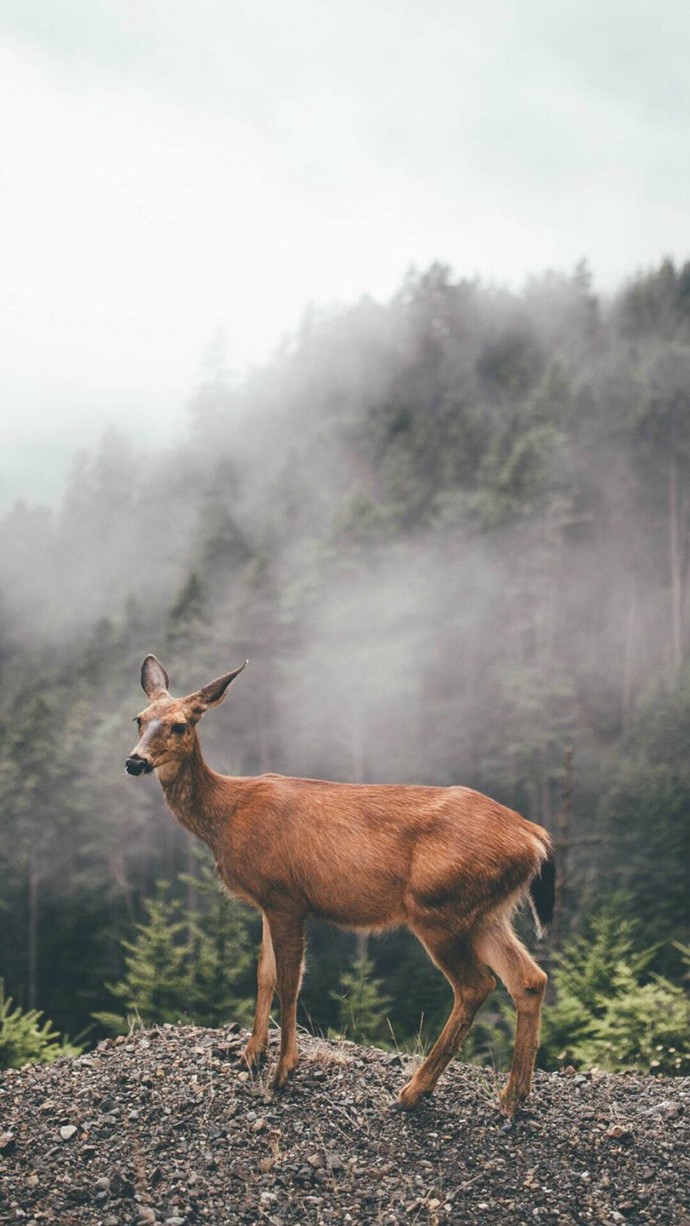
{"x":282,"y":1076}
{"x":253,"y":1057}
{"x":510,"y":1101}
{"x":410,"y":1097}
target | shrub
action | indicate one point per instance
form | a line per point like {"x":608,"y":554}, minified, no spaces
{"x":26,"y":1037}
{"x":610,"y":1009}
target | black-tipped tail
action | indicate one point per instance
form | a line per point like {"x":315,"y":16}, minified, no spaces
{"x":543,"y":893}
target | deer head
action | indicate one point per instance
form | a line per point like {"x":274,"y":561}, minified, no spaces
{"x":167,"y":726}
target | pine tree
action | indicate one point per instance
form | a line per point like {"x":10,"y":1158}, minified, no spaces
{"x":184,"y":964}
{"x":610,"y":1010}
{"x":363,"y":1003}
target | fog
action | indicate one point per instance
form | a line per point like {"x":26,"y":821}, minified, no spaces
{"x":169,"y":172}
{"x":450,"y":532}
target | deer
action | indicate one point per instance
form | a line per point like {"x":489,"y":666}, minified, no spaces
{"x":448,"y":862}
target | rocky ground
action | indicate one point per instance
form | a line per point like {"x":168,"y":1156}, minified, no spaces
{"x":164,"y":1126}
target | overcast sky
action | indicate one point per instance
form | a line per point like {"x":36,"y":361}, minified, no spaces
{"x":170,"y":168}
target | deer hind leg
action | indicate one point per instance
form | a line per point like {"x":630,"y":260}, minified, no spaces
{"x":287,"y":936}
{"x":471,"y":984}
{"x":498,"y":946}
{"x":266,"y":978}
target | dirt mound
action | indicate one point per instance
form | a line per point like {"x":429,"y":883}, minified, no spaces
{"x":164,"y":1126}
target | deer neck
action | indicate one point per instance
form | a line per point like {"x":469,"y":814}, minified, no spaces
{"x":193,"y":794}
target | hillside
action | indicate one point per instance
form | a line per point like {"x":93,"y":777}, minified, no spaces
{"x":163,"y":1126}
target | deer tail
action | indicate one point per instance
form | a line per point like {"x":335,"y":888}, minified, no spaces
{"x":542,"y":893}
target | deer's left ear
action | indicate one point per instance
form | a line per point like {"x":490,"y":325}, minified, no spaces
{"x":154,"y":679}
{"x":212,"y":695}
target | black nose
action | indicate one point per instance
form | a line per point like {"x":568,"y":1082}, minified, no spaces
{"x":137,"y":766}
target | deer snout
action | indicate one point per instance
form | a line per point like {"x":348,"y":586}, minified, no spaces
{"x":136,"y":765}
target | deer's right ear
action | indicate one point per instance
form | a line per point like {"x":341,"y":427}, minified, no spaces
{"x":154,"y":679}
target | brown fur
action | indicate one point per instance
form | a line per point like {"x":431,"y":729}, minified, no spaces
{"x":449,"y":863}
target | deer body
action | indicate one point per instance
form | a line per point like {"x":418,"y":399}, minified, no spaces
{"x":449,"y":863}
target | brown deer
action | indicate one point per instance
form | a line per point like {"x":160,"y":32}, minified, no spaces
{"x":449,"y":863}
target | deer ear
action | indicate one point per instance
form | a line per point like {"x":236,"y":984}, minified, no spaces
{"x":154,"y":679}
{"x":212,"y":695}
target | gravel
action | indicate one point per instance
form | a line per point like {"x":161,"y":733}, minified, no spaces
{"x":164,"y":1126}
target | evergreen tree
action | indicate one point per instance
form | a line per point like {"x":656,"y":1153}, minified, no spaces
{"x":184,"y":965}
{"x":363,"y":1004}
{"x":26,"y":1037}
{"x":610,"y":1010}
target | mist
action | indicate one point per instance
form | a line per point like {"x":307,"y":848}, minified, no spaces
{"x":168,"y":173}
{"x":448,"y":530}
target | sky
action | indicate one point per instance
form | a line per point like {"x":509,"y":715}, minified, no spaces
{"x":172,"y":171}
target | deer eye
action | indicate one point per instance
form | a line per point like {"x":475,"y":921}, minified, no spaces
{"x":137,"y":721}
{"x":179,"y":729}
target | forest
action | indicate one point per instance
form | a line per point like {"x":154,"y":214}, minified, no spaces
{"x":451,"y":533}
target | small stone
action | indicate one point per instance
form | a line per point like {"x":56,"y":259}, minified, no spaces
{"x":68,"y":1131}
{"x":7,"y":1142}
{"x":667,"y":1109}
{"x":619,"y":1132}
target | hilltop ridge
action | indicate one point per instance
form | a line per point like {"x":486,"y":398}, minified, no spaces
{"x":165,"y":1126}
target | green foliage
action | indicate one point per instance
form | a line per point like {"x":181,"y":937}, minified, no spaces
{"x":184,"y":963}
{"x":363,"y":1004}
{"x":27,"y":1038}
{"x":610,"y":1010}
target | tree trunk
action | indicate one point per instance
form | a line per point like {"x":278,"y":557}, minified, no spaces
{"x":628,"y":653}
{"x":676,"y":561}
{"x":32,"y":936}
{"x":562,"y":848}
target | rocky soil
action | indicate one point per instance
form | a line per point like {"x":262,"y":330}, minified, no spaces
{"x":164,"y":1126}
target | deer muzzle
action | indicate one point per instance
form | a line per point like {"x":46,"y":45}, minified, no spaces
{"x":137,"y":766}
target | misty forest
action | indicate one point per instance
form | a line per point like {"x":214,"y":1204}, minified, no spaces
{"x":451,"y":533}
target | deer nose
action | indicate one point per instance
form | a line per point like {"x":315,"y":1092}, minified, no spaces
{"x":137,"y":766}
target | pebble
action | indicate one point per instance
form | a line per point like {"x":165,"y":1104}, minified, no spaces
{"x":667,"y":1109}
{"x":68,"y":1131}
{"x":619,"y":1132}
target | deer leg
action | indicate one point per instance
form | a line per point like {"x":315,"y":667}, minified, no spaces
{"x":287,"y":935}
{"x":526,"y":982}
{"x":266,"y":985}
{"x":471,"y":984}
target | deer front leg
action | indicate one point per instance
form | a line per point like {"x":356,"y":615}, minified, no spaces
{"x":257,"y":1046}
{"x":287,"y":935}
